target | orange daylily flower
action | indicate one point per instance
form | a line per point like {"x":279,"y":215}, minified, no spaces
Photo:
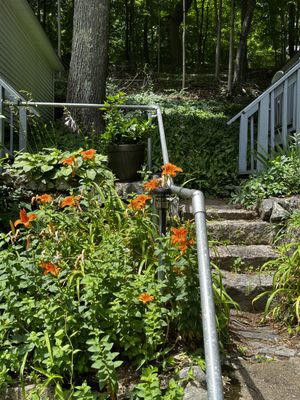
{"x":69,"y":161}
{"x":170,"y":169}
{"x":179,"y":238}
{"x":70,"y":201}
{"x":145,"y":298}
{"x":50,"y":268}
{"x":139,"y":202}
{"x":179,"y":235}
{"x":25,"y":219}
{"x":88,"y":154}
{"x":42,"y":199}
{"x":152,"y":184}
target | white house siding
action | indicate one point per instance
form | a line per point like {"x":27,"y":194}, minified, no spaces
{"x":22,"y":61}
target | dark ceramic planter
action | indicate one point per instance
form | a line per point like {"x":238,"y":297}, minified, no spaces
{"x":125,"y":160}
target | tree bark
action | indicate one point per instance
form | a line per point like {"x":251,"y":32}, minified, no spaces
{"x":174,"y":22}
{"x":88,"y":67}
{"x":218,"y":17}
{"x":231,"y":47}
{"x":292,"y":28}
{"x":145,"y":34}
{"x":241,"y":54}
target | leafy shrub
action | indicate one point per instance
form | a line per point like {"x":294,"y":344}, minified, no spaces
{"x":280,"y":178}
{"x":122,"y":127}
{"x":198,"y":140}
{"x":284,"y":299}
{"x":79,"y":293}
{"x":47,"y":171}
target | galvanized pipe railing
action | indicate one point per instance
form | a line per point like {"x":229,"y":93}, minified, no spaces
{"x":211,"y":347}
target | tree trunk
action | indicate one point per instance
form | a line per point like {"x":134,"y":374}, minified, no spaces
{"x":231,"y":47}
{"x":174,"y":22}
{"x":199,"y":24}
{"x":292,"y":28}
{"x":145,"y":34}
{"x":88,"y":67}
{"x":205,"y":34}
{"x":241,"y":54}
{"x":218,"y":17}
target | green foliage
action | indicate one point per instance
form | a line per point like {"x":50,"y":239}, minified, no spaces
{"x":149,"y":387}
{"x":121,"y":127}
{"x":73,"y":285}
{"x":284,"y":299}
{"x":280,"y":178}
{"x":197,"y":129}
{"x":45,"y":171}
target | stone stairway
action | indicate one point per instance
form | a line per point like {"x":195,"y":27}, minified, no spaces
{"x":240,"y":243}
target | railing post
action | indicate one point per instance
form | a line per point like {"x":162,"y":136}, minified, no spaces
{"x":263,"y":129}
{"x":1,"y":120}
{"x":298,"y":101}
{"x":210,"y":337}
{"x":22,"y":128}
{"x":243,"y":143}
{"x":284,"y":113}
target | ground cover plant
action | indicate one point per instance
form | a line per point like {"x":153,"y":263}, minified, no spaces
{"x":283,"y":302}
{"x":198,"y":139}
{"x":79,"y":290}
{"x":279,"y":178}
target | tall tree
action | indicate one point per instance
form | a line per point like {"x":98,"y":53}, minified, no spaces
{"x":88,"y":67}
{"x":174,"y":21}
{"x":218,"y":18}
{"x":247,"y":10}
{"x":231,"y":47}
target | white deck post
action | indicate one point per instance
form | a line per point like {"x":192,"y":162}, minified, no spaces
{"x":298,"y":101}
{"x":263,"y":129}
{"x":243,"y":142}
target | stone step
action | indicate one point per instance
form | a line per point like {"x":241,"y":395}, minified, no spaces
{"x":238,"y":258}
{"x":244,"y":287}
{"x":229,"y":213}
{"x":240,"y":232}
{"x":218,"y":211}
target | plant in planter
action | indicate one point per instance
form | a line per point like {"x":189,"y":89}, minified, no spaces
{"x":125,"y":134}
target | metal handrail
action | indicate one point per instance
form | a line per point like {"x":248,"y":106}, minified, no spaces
{"x":211,"y":346}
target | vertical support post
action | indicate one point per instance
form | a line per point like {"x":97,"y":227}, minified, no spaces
{"x":11,"y":132}
{"x":243,"y":143}
{"x":2,"y":94}
{"x":161,"y":205}
{"x":252,"y":143}
{"x":284,"y":112}
{"x":272,"y":120}
{"x":149,"y":149}
{"x":22,"y":128}
{"x":263,"y":129}
{"x":297,"y":99}
{"x":163,"y":142}
{"x":211,"y":344}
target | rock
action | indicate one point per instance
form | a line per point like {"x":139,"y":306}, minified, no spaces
{"x":126,"y":188}
{"x":241,"y":232}
{"x":244,"y":287}
{"x":193,"y":391}
{"x":278,"y":213}
{"x":195,"y":373}
{"x":265,"y":209}
{"x":238,"y":258}
{"x":15,"y":393}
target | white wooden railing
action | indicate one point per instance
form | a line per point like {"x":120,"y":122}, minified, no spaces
{"x":13,"y":122}
{"x":269,"y":120}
